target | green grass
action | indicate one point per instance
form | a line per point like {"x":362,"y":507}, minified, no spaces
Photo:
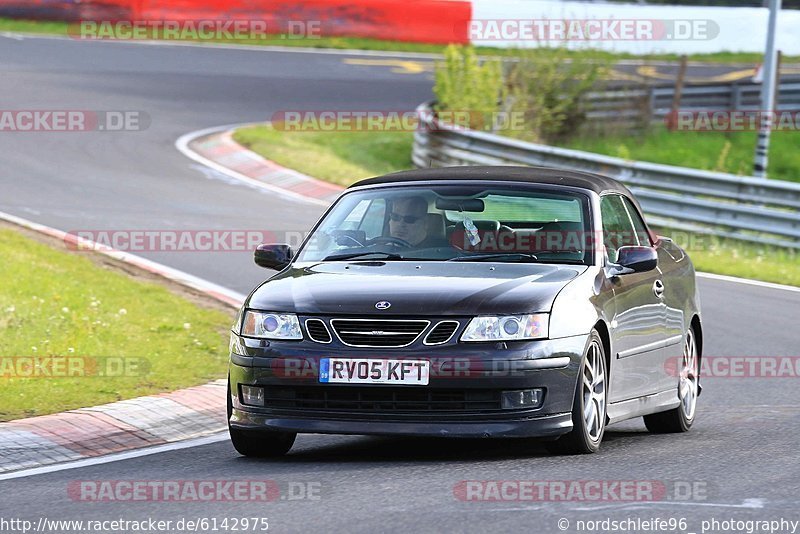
{"x":338,"y":157}
{"x":55,"y":303}
{"x":738,"y":258}
{"x":346,"y":157}
{"x":61,"y":28}
{"x":714,"y":151}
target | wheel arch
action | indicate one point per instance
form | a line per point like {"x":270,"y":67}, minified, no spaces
{"x":697,"y":327}
{"x":605,"y":335}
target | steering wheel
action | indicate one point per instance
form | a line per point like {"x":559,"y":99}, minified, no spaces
{"x":389,"y":240}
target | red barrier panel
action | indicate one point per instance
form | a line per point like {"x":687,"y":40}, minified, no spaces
{"x":425,"y":21}
{"x":428,"y":21}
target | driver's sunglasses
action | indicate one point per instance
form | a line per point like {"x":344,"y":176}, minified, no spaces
{"x":408,"y":219}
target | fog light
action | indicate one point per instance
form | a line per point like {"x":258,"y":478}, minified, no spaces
{"x":524,"y":398}
{"x":252,"y":395}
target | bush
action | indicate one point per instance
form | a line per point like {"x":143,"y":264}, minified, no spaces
{"x":463,"y":84}
{"x":540,"y":97}
{"x":548,"y":89}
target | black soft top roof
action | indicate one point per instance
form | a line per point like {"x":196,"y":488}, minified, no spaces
{"x":534,"y":175}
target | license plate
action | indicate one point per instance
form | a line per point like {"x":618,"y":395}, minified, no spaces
{"x":365,"y":371}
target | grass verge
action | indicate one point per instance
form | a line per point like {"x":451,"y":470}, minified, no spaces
{"x":731,"y":257}
{"x":78,"y":317}
{"x":346,"y":157}
{"x":356,"y":43}
{"x":338,"y":157}
{"x":731,"y":152}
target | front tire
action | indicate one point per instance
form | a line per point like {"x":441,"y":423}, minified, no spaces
{"x":258,"y":443}
{"x":589,"y":405}
{"x":680,"y":419}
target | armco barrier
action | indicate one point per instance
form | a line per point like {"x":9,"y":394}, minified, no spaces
{"x":428,"y":21}
{"x":751,"y":209}
{"x":636,"y":107}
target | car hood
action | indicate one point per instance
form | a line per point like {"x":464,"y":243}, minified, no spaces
{"x":413,"y":288}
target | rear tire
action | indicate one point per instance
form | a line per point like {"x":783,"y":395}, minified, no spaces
{"x":680,"y":419}
{"x":258,"y":443}
{"x":589,"y":405}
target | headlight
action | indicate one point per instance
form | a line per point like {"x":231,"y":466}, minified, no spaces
{"x":271,"y":325}
{"x":507,"y":328}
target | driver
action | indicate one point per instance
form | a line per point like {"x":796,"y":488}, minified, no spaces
{"x":408,"y":220}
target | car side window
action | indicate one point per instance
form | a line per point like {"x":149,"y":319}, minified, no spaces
{"x":618,"y":230}
{"x":638,"y":223}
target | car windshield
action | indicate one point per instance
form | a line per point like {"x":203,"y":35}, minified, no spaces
{"x":454,"y":223}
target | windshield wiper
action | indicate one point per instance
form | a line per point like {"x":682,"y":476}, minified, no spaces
{"x":353,"y":255}
{"x":506,"y":256}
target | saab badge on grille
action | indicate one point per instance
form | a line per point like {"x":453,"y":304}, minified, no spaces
{"x":383,"y":305}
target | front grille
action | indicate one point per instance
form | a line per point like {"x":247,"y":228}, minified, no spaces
{"x":441,"y":333}
{"x":378,"y":332}
{"x":317,"y":331}
{"x":380,"y":399}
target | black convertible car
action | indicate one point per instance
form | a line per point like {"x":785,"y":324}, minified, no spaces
{"x":469,"y":302}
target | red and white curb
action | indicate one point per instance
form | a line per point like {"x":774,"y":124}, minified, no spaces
{"x":215,"y":148}
{"x":125,"y":425}
{"x":211,"y":289}
{"x":110,"y":428}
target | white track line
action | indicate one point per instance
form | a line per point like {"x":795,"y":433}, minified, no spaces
{"x":183,"y":278}
{"x":749,"y":504}
{"x":182,"y":144}
{"x":753,"y":503}
{"x":214,"y":290}
{"x":745,"y":281}
{"x":117,"y":456}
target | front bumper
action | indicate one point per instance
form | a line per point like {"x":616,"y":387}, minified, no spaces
{"x":470,"y":370}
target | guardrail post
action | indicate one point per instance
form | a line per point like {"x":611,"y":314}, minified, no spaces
{"x":676,"y":97}
{"x":651,"y":105}
{"x":736,"y":97}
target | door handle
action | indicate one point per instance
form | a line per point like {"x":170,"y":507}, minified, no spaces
{"x":658,"y":288}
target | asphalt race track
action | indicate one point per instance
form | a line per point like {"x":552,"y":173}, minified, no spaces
{"x":740,"y":458}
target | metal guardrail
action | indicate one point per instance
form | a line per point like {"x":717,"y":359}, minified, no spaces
{"x":654,"y":103}
{"x":747,"y":208}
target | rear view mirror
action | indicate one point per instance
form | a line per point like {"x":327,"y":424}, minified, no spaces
{"x":460,"y":204}
{"x":635,"y":260}
{"x":273,"y":256}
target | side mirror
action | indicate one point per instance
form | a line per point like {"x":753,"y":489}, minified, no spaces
{"x":635,"y":260}
{"x":273,"y":256}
